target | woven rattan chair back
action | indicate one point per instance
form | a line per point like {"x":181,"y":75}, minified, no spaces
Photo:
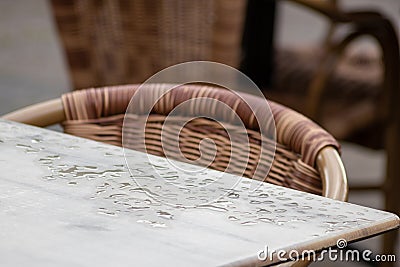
{"x":119,"y":42}
{"x":98,"y":114}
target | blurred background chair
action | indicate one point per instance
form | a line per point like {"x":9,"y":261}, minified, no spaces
{"x":110,"y":42}
{"x":353,"y":95}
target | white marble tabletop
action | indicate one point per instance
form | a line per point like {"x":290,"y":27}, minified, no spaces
{"x":67,"y":201}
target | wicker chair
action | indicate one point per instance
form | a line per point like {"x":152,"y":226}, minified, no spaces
{"x":306,"y":156}
{"x":109,"y":42}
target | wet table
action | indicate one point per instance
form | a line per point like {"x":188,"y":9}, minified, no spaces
{"x":67,"y":201}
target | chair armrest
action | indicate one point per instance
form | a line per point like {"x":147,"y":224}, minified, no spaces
{"x":333,"y":174}
{"x":41,"y":114}
{"x":383,"y":31}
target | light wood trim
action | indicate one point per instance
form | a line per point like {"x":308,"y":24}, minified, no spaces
{"x":333,"y":174}
{"x":41,"y":114}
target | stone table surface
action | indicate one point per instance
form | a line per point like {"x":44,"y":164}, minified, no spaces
{"x":68,"y":201}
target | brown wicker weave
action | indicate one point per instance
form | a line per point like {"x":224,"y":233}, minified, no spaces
{"x":124,"y":41}
{"x":98,"y":114}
